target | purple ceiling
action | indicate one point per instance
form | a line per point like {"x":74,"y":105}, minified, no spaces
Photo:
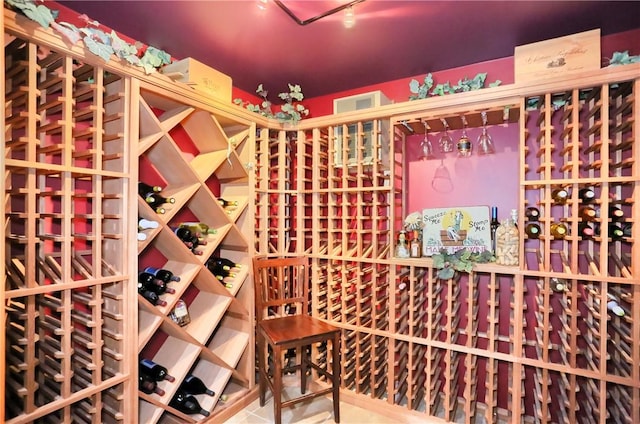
{"x":390,"y":40}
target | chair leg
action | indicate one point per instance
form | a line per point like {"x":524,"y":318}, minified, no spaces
{"x":303,"y":369}
{"x":336,"y":377}
{"x":277,"y":385}
{"x":263,"y":371}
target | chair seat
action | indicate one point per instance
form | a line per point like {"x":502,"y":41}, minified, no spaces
{"x":295,"y":328}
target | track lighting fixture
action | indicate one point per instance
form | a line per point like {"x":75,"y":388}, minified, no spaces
{"x":349,"y":16}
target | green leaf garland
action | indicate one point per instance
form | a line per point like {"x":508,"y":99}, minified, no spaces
{"x":96,"y":41}
{"x":426,"y":88}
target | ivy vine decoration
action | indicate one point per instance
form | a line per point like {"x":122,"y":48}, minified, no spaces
{"x":291,"y":111}
{"x":623,"y":58}
{"x":426,"y":88}
{"x":462,"y":260}
{"x":98,"y":42}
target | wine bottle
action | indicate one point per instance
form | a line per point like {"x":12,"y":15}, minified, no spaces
{"x":162,"y":274}
{"x":180,"y":313}
{"x":193,"y":385}
{"x":532,"y":230}
{"x":227,"y":203}
{"x":588,"y":213}
{"x":514,"y":217}
{"x":160,"y":288}
{"x":615,"y":213}
{"x":198,"y":241}
{"x":493,"y":225}
{"x":560,"y":196}
{"x":222,"y":274}
{"x":226,"y":281}
{"x":403,"y":283}
{"x":218,"y":269}
{"x":183,"y":233}
{"x":147,"y":385}
{"x":614,"y":306}
{"x":587,"y":195}
{"x":199,"y":227}
{"x":558,"y":285}
{"x":228,"y":262}
{"x":156,"y":200}
{"x":145,"y":189}
{"x":153,"y":298}
{"x":146,"y":279}
{"x":156,"y":371}
{"x":559,"y":230}
{"x":626,"y":229}
{"x":586,"y":230}
{"x":414,"y":246}
{"x":141,"y":236}
{"x":187,"y":404}
{"x":532,"y":214}
{"x":147,"y":224}
{"x":616,"y":232}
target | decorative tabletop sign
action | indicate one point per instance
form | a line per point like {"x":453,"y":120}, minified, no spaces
{"x":559,"y":56}
{"x":456,"y":228}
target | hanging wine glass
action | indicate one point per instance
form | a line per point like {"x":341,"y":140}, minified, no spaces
{"x":485,"y":143}
{"x":446,"y":142}
{"x":464,"y":143}
{"x":427,"y":147}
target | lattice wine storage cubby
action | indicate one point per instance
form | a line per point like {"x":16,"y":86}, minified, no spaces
{"x":67,"y":280}
{"x":195,"y":160}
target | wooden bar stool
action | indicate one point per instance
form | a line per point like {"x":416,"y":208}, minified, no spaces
{"x":282,"y":323}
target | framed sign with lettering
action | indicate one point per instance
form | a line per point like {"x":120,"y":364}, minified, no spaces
{"x":456,"y":228}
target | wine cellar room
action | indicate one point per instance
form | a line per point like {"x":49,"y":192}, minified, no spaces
{"x":469,"y":221}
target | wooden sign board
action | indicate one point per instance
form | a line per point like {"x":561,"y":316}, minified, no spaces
{"x":559,"y":56}
{"x":456,"y":228}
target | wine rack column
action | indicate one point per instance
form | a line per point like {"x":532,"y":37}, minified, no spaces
{"x":197,"y":157}
{"x":277,"y":162}
{"x":350,"y":231}
{"x":580,"y":170}
{"x":67,"y":291}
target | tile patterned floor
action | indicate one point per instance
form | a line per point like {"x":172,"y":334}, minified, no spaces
{"x":316,"y":411}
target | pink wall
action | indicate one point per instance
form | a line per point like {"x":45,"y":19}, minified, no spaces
{"x":498,"y":69}
{"x":490,"y":180}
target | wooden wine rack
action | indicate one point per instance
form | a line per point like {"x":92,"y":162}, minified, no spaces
{"x":79,"y":132}
{"x":197,"y":154}
{"x":497,"y":344}
{"x":67,"y":291}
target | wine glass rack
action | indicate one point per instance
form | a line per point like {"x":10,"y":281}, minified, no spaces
{"x":502,"y":343}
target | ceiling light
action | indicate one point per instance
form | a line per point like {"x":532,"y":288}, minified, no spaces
{"x":349,"y":17}
{"x":347,"y":7}
{"x":262,"y":4}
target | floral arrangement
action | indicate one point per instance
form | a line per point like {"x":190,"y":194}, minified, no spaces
{"x":413,"y":222}
{"x":291,"y":111}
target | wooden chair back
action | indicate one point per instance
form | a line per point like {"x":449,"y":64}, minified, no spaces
{"x":281,"y":286}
